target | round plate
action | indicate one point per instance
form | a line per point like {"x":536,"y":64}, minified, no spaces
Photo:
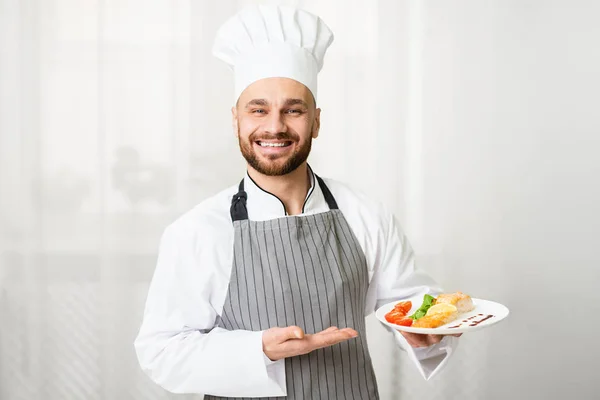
{"x":483,"y":308}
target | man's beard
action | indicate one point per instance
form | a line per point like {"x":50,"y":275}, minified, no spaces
{"x":274,"y":167}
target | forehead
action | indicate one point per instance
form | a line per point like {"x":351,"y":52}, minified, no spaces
{"x":276,"y":91}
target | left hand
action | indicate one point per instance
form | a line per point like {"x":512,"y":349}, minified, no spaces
{"x":417,"y":340}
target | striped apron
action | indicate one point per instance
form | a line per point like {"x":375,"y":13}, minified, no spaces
{"x":308,"y":271}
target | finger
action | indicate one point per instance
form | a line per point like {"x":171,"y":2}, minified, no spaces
{"x":331,"y":338}
{"x":434,"y":339}
{"x":351,"y":331}
{"x":315,"y":341}
{"x":290,"y":332}
{"x":415,"y":339}
{"x":318,"y":341}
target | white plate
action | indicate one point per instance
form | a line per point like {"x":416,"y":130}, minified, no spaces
{"x":483,"y":308}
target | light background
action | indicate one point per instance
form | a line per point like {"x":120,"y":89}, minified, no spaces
{"x":477,"y":122}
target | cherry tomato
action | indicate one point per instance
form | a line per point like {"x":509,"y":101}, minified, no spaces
{"x":404,"y":321}
{"x":403,"y":306}
{"x":394,"y":316}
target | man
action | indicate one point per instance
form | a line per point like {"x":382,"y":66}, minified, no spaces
{"x":262,"y":290}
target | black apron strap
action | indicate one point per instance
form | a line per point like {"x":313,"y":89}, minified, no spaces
{"x":238,"y":209}
{"x":327,"y":194}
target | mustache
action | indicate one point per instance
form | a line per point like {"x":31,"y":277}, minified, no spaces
{"x":278,"y":136}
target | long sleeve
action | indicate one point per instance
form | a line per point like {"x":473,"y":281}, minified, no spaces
{"x":179,"y":345}
{"x":396,"y":279}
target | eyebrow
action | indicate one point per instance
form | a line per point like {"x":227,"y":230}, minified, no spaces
{"x":265,"y":103}
{"x":293,"y":102}
{"x":257,"y":102}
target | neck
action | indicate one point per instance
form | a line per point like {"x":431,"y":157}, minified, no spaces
{"x":291,"y":188}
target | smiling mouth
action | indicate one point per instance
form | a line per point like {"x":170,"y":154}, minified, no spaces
{"x":284,"y":143}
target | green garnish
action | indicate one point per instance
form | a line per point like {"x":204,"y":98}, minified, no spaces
{"x":427,"y":302}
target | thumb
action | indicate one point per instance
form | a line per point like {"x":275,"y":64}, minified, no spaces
{"x":291,"y":332}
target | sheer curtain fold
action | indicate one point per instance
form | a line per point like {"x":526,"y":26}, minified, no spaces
{"x":114,"y":120}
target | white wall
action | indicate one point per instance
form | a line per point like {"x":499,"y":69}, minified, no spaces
{"x":507,"y":190}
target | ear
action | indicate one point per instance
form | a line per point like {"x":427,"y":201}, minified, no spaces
{"x":316,"y":124}
{"x":234,"y":121}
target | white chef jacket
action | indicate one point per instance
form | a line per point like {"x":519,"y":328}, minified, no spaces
{"x":179,"y":345}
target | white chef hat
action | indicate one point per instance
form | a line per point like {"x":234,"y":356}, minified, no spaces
{"x":273,"y":41}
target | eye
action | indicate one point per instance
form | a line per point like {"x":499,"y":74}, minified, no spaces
{"x":294,"y":111}
{"x":258,"y":111}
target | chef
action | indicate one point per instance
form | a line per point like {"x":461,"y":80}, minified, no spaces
{"x":262,"y":290}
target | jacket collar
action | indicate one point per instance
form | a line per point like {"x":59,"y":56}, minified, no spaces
{"x":263,"y":205}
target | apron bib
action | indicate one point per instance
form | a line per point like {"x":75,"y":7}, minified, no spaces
{"x":308,"y":271}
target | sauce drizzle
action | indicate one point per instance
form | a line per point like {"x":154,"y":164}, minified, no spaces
{"x":473,"y":323}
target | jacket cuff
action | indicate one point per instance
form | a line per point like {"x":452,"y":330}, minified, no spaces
{"x":429,"y":360}
{"x":268,"y":361}
{"x":275,"y":369}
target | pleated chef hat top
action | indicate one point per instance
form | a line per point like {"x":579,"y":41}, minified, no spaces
{"x":273,"y":41}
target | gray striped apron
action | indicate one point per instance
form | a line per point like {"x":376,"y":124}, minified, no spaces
{"x":308,"y":271}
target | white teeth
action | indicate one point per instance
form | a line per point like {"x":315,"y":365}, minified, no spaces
{"x":263,"y":144}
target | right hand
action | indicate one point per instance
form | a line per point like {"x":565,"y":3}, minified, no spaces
{"x":281,"y":343}
{"x":417,"y":340}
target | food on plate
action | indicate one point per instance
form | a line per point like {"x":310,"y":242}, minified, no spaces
{"x":463,"y":302}
{"x":434,"y":311}
{"x":403,"y":306}
{"x":441,"y":308}
{"x":398,"y":314}
{"x":437,"y":315}
{"x":428,"y":301}
{"x":435,"y":320}
{"x":404,"y":321}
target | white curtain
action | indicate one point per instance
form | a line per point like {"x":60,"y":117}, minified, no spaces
{"x":474,"y":121}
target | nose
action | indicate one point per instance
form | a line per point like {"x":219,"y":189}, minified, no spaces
{"x":275,"y":123}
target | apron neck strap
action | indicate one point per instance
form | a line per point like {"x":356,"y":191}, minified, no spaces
{"x":239,"y":211}
{"x":327,"y":194}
